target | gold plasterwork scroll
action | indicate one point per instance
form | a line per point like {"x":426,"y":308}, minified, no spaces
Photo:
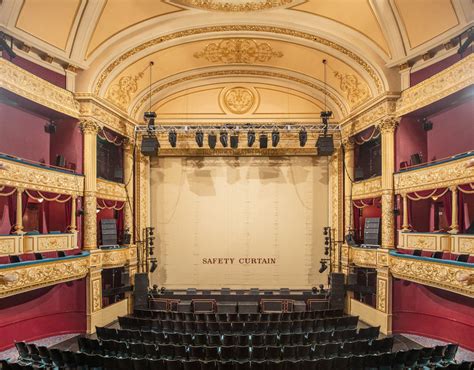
{"x":451,"y":80}
{"x":110,"y":190}
{"x":11,"y":245}
{"x":121,"y":92}
{"x":105,"y":114}
{"x":356,"y":92}
{"x":462,"y":243}
{"x":235,"y":6}
{"x":31,"y":87}
{"x":382,"y":295}
{"x":231,"y":51}
{"x":31,"y":277}
{"x":370,"y":188}
{"x":238,"y":28}
{"x":36,"y":178}
{"x":364,"y":257}
{"x":114,"y":258}
{"x":437,"y":176}
{"x":239,"y":100}
{"x":436,"y":274}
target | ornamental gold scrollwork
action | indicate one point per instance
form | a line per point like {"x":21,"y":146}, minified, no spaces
{"x":436,"y":274}
{"x":382,"y":295}
{"x":367,"y":189}
{"x":31,"y":87}
{"x":388,"y":125}
{"x":238,"y":28}
{"x":7,"y":246}
{"x":388,"y":218}
{"x":44,"y":274}
{"x":110,"y":190}
{"x":454,"y":78}
{"x":364,"y":258}
{"x":230,"y":51}
{"x":238,"y":100}
{"x":121,"y":92}
{"x":54,"y":243}
{"x":356,"y":91}
{"x":96,"y":295}
{"x":90,"y":127}
{"x":233,"y":6}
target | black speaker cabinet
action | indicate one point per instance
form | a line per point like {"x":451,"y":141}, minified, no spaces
{"x":60,"y":161}
{"x":263,"y":139}
{"x":325,"y":145}
{"x":108,"y":229}
{"x":140,"y":290}
{"x":372,"y":231}
{"x":415,"y":159}
{"x":150,"y":145}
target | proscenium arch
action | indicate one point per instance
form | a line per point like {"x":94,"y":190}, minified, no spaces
{"x":211,"y":75}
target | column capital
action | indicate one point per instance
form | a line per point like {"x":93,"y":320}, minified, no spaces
{"x":388,"y":125}
{"x":453,"y":188}
{"x":90,"y":127}
{"x":348,"y":143}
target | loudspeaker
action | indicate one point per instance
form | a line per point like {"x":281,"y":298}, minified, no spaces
{"x":50,"y":128}
{"x":60,"y":161}
{"x":372,"y":231}
{"x":325,"y":145}
{"x":150,"y":145}
{"x":415,"y":159}
{"x":140,"y":290}
{"x":108,"y":229}
{"x":263,"y":139}
{"x":427,"y":125}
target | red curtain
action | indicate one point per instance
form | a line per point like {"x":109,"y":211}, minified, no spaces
{"x":465,"y":197}
{"x":120,"y":219}
{"x":367,"y":135}
{"x":68,"y":210}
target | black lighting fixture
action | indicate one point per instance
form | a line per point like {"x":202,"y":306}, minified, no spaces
{"x":153,"y":264}
{"x":50,"y":127}
{"x":172,"y":138}
{"x":427,"y":124}
{"x":4,"y":46}
{"x":263,"y":139}
{"x":275,"y":137}
{"x":324,"y":266}
{"x":250,"y":138}
{"x":325,"y":143}
{"x":200,"y":138}
{"x":212,"y":140}
{"x":303,"y":136}
{"x":224,"y":138}
{"x":234,"y":140}
{"x":470,"y":37}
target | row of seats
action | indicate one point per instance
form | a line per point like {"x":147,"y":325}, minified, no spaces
{"x":235,"y":352}
{"x":231,"y":317}
{"x":439,"y":357}
{"x":248,"y":327}
{"x":135,"y":336}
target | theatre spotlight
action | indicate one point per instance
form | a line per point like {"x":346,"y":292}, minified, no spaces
{"x":172,"y":138}
{"x":199,"y":138}
{"x":234,"y":140}
{"x":263,"y":139}
{"x":323,"y":267}
{"x":212,"y":140}
{"x":303,"y":136}
{"x":250,"y":138}
{"x":326,"y":251}
{"x":50,"y":127}
{"x":154,"y":264}
{"x":224,"y":138}
{"x":275,"y":137}
{"x":314,"y":290}
{"x":150,"y":119}
{"x":326,"y":230}
{"x":326,"y":240}
{"x":162,"y":290}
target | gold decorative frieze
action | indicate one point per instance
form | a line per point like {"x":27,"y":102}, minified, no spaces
{"x":449,"y":81}
{"x":443,"y":275}
{"x":34,"y":276}
{"x":382,"y":257}
{"x":369,"y":116}
{"x":238,"y":28}
{"x":441,"y":175}
{"x":31,"y":87}
{"x":462,"y":244}
{"x":231,"y":51}
{"x":110,"y":190}
{"x":107,"y":258}
{"x":36,"y":178}
{"x":49,"y":242}
{"x":11,"y":245}
{"x":382,"y":295}
{"x":235,"y":6}
{"x":100,"y":111}
{"x":424,"y":241}
{"x":356,"y":91}
{"x":364,"y":257}
{"x":370,"y":188}
{"x":96,"y":295}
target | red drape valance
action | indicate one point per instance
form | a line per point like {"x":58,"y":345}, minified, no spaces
{"x":426,"y":194}
{"x":367,"y":135}
{"x":110,"y":204}
{"x":111,"y":137}
{"x":466,"y":188}
{"x":47,"y":196}
{"x":362,"y":203}
{"x":6,"y":191}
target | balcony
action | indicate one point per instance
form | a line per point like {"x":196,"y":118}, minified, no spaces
{"x":370,"y":188}
{"x":49,"y":242}
{"x":433,"y":242}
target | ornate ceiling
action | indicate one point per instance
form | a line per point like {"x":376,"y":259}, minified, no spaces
{"x":262,"y":50}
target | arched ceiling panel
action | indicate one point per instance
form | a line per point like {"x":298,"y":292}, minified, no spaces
{"x":423,"y":20}
{"x":119,"y":15}
{"x":49,"y":20}
{"x":134,"y":78}
{"x":356,"y":14}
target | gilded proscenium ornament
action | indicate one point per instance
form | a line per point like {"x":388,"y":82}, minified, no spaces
{"x":121,"y":92}
{"x":235,"y":5}
{"x":238,"y":28}
{"x":230,"y":51}
{"x":435,"y":176}
{"x":31,"y":277}
{"x":19,"y":175}
{"x":25,"y":84}
{"x":356,"y":91}
{"x":433,"y":273}
{"x":453,"y":79}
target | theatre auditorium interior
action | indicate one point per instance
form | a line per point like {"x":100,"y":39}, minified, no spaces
{"x":236,"y":184}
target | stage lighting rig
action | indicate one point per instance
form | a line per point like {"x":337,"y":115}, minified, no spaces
{"x":212,"y":140}
{"x":234,"y":140}
{"x":324,"y":266}
{"x":303,"y":136}
{"x":153,"y":264}
{"x":200,"y":138}
{"x":250,"y":138}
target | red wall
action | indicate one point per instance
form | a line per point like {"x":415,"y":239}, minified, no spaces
{"x":423,"y":74}
{"x":435,"y":313}
{"x":410,"y":138}
{"x":453,"y":131}
{"x":22,"y":134}
{"x":67,"y":141}
{"x":41,"y":313}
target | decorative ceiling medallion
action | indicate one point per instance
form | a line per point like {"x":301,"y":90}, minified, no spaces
{"x":231,"y":51}
{"x":238,"y":100}
{"x":235,"y":5}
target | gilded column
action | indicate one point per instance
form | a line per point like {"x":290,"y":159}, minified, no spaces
{"x":387,"y":128}
{"x":19,"y":211}
{"x":454,"y":216}
{"x":405,"y":226}
{"x":129,"y":185}
{"x":73,"y":226}
{"x":348,"y":178}
{"x":335,"y":201}
{"x":89,"y":131}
